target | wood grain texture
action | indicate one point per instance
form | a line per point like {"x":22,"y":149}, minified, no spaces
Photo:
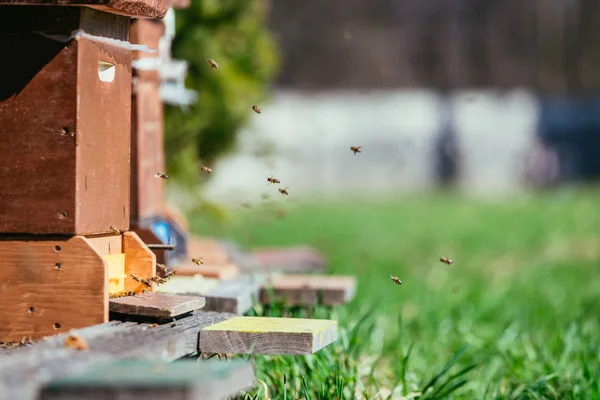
{"x":156,"y":305}
{"x":139,"y":260}
{"x":66,"y":171}
{"x":261,"y":335}
{"x":235,"y":295}
{"x":103,"y":125}
{"x":290,"y":259}
{"x":304,"y":290}
{"x":218,"y":271}
{"x":131,"y":8}
{"x":48,"y":286}
{"x":23,"y":370}
{"x":136,"y":379}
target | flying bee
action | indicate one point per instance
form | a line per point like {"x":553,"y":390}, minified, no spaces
{"x":273,"y":180}
{"x":75,"y":342}
{"x":213,"y":63}
{"x":257,"y":109}
{"x":206,"y":170}
{"x":161,"y":175}
{"x":114,"y":230}
{"x":284,"y":191}
{"x":197,"y":261}
{"x":162,"y":267}
{"x":356,"y":149}
{"x":158,"y":280}
{"x":396,"y":280}
{"x":446,"y":260}
{"x":169,"y":275}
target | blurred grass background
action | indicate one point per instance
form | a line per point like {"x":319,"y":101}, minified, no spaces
{"x":522,"y":295}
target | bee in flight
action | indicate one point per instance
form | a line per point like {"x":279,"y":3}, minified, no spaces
{"x":114,"y":230}
{"x":446,"y":260}
{"x":356,"y":149}
{"x":161,"y":175}
{"x":256,"y":109}
{"x":284,"y":191}
{"x":197,"y":261}
{"x":396,"y":280}
{"x":273,"y":180}
{"x":213,"y":63}
{"x":206,"y":170}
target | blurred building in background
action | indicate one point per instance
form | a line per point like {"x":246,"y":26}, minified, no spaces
{"x":487,"y":94}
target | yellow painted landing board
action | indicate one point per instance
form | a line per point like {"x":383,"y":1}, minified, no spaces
{"x":262,"y":335}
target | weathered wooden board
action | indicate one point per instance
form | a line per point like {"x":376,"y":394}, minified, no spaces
{"x":134,"y":379}
{"x":217,"y":271}
{"x":290,"y":259}
{"x":235,"y":295}
{"x":156,"y":305}
{"x":131,"y":8}
{"x":261,"y":335}
{"x":139,"y":260}
{"x":23,"y":370}
{"x":70,"y":158}
{"x":192,"y":285}
{"x":310,"y":289}
{"x":48,"y":286}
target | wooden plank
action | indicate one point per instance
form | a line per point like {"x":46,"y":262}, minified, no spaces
{"x":50,"y":286}
{"x":182,"y":380}
{"x":106,"y":244}
{"x":156,"y":305}
{"x":235,"y":295}
{"x":71,"y":156}
{"x":139,"y":261}
{"x":130,"y":8}
{"x":306,"y":290}
{"x":192,"y":285}
{"x":290,"y":259}
{"x":26,"y":368}
{"x":217,"y":271}
{"x":261,"y":335}
{"x":147,"y":155}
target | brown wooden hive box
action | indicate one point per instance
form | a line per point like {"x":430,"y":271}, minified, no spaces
{"x":64,"y":122}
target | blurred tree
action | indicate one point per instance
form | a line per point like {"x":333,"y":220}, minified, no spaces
{"x":235,"y":34}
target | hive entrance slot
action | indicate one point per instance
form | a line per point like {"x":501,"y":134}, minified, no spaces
{"x":106,"y":71}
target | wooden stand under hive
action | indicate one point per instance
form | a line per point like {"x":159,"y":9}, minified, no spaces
{"x":64,"y":166}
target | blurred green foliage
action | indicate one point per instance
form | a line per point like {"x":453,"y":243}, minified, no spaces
{"x":235,"y":34}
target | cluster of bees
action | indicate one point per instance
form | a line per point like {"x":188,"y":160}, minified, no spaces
{"x":25,"y":341}
{"x":444,"y":260}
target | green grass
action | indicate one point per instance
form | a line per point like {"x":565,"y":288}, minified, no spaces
{"x":515,"y":317}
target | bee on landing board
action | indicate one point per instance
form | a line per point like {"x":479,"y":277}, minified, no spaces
{"x":197,"y":261}
{"x":213,"y":63}
{"x":356,"y":149}
{"x":161,"y":175}
{"x":446,"y":260}
{"x":206,"y":170}
{"x":284,"y":191}
{"x":396,"y":280}
{"x":256,"y":109}
{"x":114,"y":230}
{"x":75,"y":342}
{"x":273,"y":180}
